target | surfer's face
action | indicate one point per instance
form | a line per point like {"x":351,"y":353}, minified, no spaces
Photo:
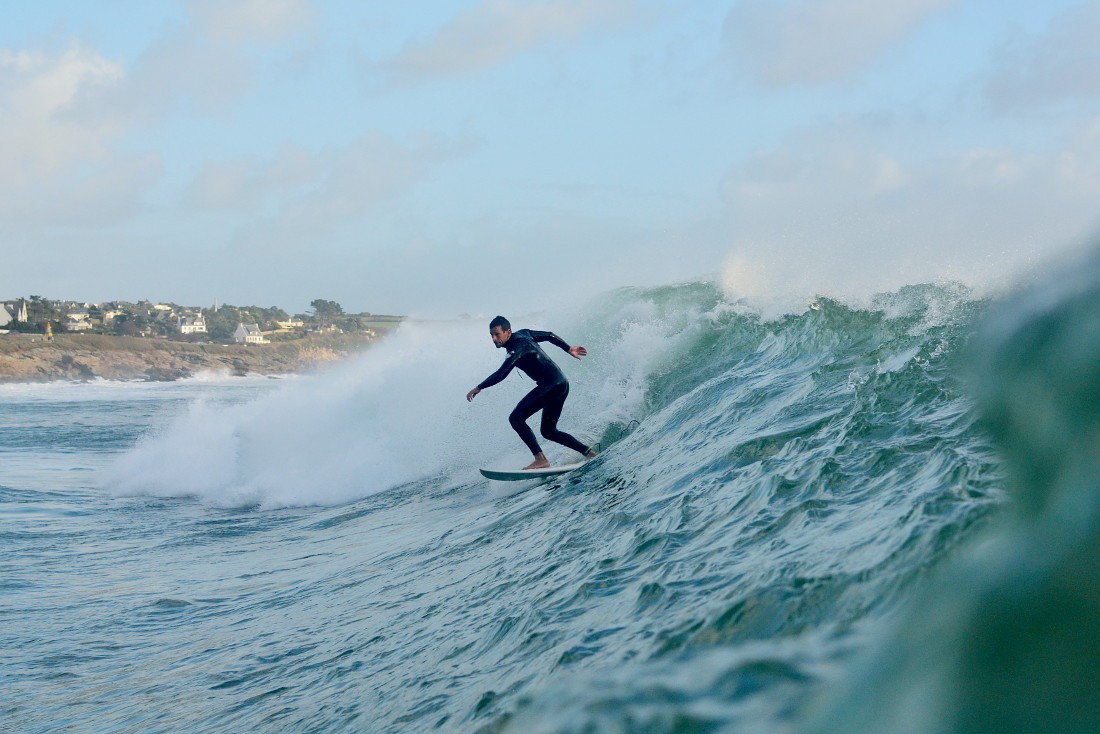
{"x":500,"y":335}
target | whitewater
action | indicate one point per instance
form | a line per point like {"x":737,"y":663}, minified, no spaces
{"x":807,"y":521}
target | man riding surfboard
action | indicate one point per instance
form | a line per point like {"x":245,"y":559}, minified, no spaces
{"x":550,"y":391}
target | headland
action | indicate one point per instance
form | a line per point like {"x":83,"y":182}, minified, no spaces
{"x":34,"y":358}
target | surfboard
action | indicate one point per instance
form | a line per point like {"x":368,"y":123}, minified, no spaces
{"x":518,"y":475}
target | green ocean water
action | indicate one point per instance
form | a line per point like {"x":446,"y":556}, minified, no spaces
{"x":858,"y":517}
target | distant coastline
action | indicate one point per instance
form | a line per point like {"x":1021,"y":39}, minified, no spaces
{"x":33,"y":358}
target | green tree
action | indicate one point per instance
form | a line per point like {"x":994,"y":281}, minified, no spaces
{"x":326,"y":312}
{"x":40,"y":311}
{"x":123,"y":325}
{"x":273,"y":314}
{"x":221,"y":324}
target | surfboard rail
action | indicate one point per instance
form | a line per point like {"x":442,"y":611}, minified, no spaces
{"x":518,"y":475}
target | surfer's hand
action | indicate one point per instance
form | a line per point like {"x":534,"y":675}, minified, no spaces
{"x":470,"y":395}
{"x":578,"y":352}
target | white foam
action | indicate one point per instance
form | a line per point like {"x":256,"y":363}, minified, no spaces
{"x":392,"y":415}
{"x":100,"y":389}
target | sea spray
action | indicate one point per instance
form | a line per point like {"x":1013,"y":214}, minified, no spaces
{"x":396,"y":414}
{"x":382,"y":418}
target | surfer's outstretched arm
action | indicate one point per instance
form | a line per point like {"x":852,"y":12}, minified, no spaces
{"x":557,"y":341}
{"x":496,"y":377}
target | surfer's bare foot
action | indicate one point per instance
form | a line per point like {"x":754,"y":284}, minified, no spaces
{"x":540,"y":462}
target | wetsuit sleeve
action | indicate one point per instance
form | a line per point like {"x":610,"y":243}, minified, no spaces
{"x":501,"y":373}
{"x":549,"y":336}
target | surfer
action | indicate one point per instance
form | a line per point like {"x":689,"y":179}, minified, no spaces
{"x":550,"y":391}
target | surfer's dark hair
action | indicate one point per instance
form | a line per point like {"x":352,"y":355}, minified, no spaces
{"x":501,"y":322}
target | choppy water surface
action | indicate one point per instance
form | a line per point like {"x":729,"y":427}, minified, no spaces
{"x":320,"y":553}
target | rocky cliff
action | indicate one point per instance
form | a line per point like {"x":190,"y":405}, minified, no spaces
{"x":30,"y":358}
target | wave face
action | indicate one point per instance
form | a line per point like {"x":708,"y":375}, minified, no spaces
{"x":1007,"y":638}
{"x":770,"y":493}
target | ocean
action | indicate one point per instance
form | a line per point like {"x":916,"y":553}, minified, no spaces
{"x":874,"y":516}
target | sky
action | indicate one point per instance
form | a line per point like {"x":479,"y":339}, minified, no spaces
{"x":505,"y":156}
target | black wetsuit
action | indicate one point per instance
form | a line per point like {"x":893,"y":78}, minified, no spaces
{"x":550,"y":391}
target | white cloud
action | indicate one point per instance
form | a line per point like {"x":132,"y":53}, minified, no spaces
{"x":835,"y":212}
{"x":1061,"y":63}
{"x":209,"y":61}
{"x":355,"y":178}
{"x":251,"y":184}
{"x":298,"y":195}
{"x":497,"y":30}
{"x":805,"y":42}
{"x":251,"y":20}
{"x":42,"y":135}
{"x":181,"y":69}
{"x":64,"y":115}
{"x":58,"y":166}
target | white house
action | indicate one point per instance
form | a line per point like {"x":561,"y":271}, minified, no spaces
{"x":78,"y":321}
{"x":248,"y":334}
{"x":191,"y":324}
{"x":291,"y":323}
